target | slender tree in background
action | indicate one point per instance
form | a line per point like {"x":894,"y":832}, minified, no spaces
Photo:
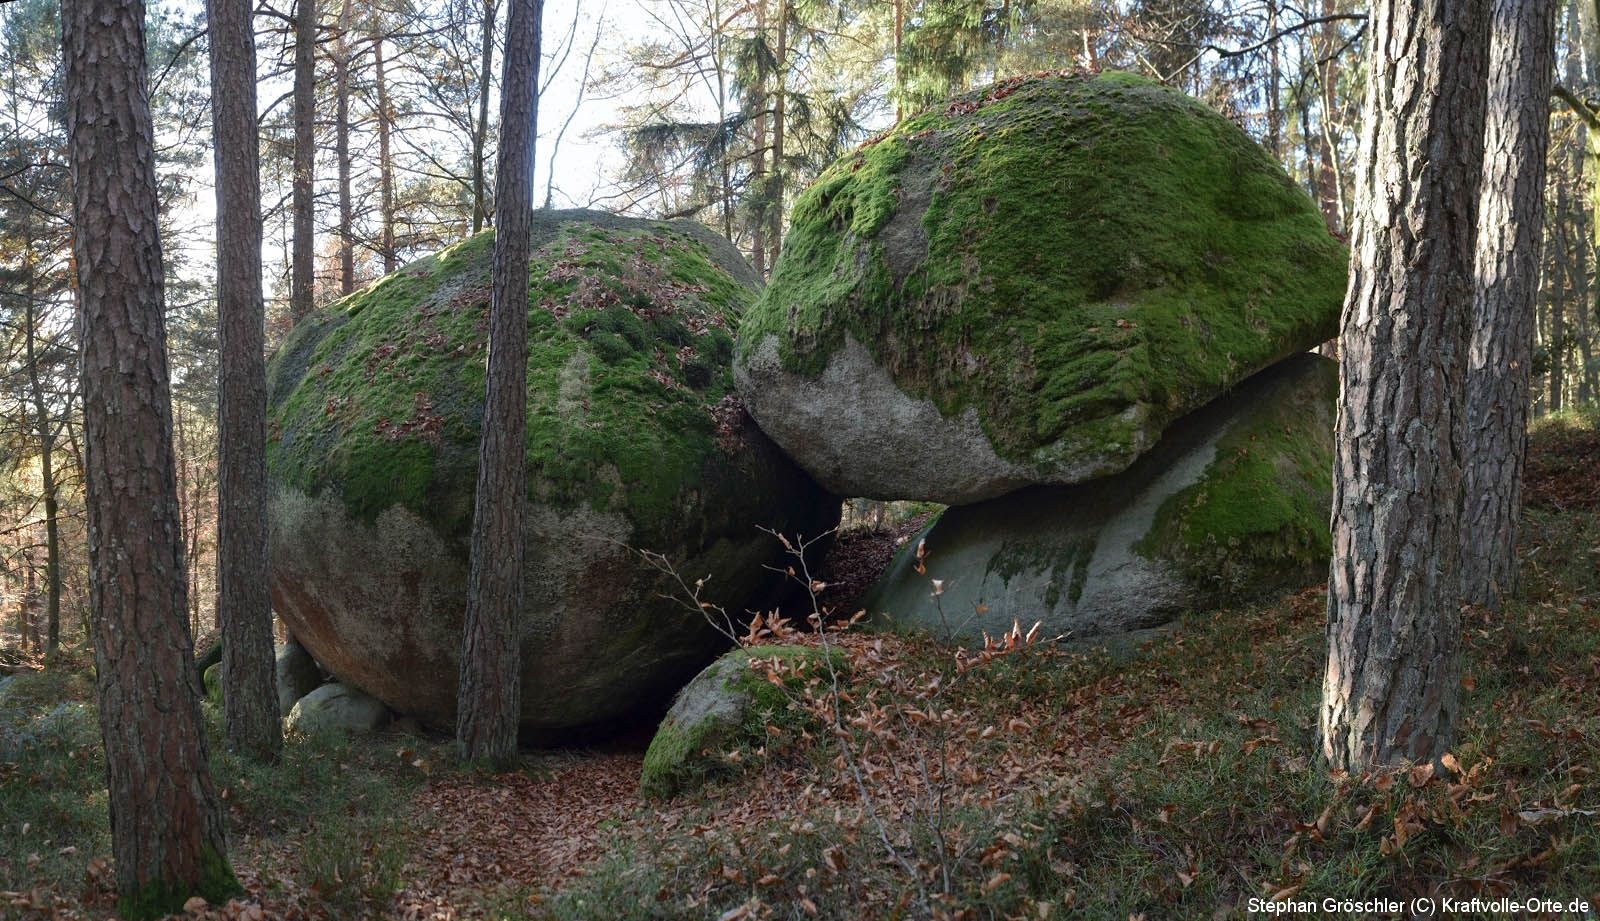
{"x":302,"y":281}
{"x":490,"y":698}
{"x":244,"y":607}
{"x":1511,"y":215}
{"x":166,"y":823}
{"x":480,"y":134}
{"x":1390,"y":691}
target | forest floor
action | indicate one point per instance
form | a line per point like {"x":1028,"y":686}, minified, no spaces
{"x":1176,"y":779}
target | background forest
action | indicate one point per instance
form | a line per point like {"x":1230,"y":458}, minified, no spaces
{"x":718,"y":110}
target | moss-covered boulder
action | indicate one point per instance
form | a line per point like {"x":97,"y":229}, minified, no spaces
{"x":1026,"y":286}
{"x":1232,"y":503}
{"x":636,"y":441}
{"x":734,"y":706}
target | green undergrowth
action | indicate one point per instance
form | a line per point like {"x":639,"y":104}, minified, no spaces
{"x":629,"y":348}
{"x":1177,"y":779}
{"x":1067,"y":254}
{"x":333,"y":820}
{"x":52,"y":780}
{"x":330,"y":824}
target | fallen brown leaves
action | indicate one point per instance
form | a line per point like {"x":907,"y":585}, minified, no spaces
{"x":517,"y":831}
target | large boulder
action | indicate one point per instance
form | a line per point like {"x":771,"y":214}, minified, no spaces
{"x":1232,"y":503}
{"x":636,"y":441}
{"x":1026,"y":286}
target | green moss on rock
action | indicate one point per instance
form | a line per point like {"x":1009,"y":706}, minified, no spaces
{"x":730,"y":706}
{"x":629,"y":338}
{"x":1260,"y":515}
{"x":636,"y":442}
{"x":1079,"y":259}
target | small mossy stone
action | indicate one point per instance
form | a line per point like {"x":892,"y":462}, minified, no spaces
{"x":211,"y":655}
{"x":212,"y":679}
{"x":1231,"y":504}
{"x":729,"y":706}
{"x":636,"y":442}
{"x":1027,"y":286}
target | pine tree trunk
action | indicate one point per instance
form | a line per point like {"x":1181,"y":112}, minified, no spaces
{"x":1390,"y":692}
{"x":775,"y":190}
{"x":302,"y":278}
{"x":341,"y":94}
{"x":385,"y":117}
{"x":758,"y":172}
{"x":1274,"y":100}
{"x":167,"y":832}
{"x":1330,"y":190}
{"x":1511,"y":218}
{"x":490,"y":695}
{"x":244,"y":607}
{"x":47,"y":471}
{"x":480,"y":138}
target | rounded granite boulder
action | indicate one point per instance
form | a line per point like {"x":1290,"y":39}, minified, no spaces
{"x":636,"y":442}
{"x":1026,"y":286}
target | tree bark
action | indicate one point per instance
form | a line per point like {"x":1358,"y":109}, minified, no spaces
{"x":244,"y":607}
{"x":1511,"y":213}
{"x":385,"y":117}
{"x":758,"y":172}
{"x":45,"y":429}
{"x":1390,"y":691}
{"x":480,"y":138}
{"x":490,"y":695}
{"x":167,"y":832}
{"x":780,"y":108}
{"x":1330,"y":191}
{"x":341,"y":146}
{"x":302,"y":278}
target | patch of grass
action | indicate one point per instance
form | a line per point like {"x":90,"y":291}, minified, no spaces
{"x":332,"y":818}
{"x":53,"y":817}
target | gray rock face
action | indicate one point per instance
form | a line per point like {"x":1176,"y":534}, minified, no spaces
{"x":298,"y":675}
{"x":1232,"y":503}
{"x":858,"y":434}
{"x":338,"y":707}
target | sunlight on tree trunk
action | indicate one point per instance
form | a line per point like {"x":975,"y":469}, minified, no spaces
{"x":250,"y":697}
{"x":489,"y":702}
{"x":1390,"y":690}
{"x":1511,"y":215}
{"x":167,"y":832}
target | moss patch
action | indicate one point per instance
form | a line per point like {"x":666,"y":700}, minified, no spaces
{"x":1259,"y":517}
{"x":160,"y":898}
{"x":1081,"y":259}
{"x":629,"y":344}
{"x":729,"y":707}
